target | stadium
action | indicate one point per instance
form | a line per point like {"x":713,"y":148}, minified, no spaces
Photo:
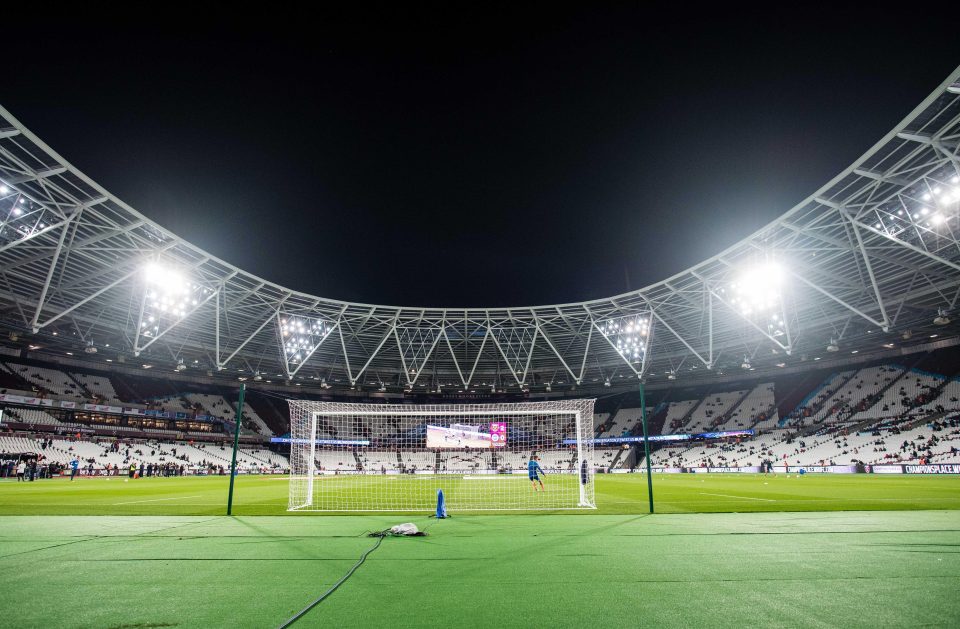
{"x":769,"y":436}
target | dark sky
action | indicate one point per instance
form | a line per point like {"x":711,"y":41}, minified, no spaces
{"x":470,"y":158}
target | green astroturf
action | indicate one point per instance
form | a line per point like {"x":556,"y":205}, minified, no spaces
{"x":888,"y":555}
{"x":615,"y":494}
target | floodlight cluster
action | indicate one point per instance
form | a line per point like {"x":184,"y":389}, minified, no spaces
{"x":301,"y":336}
{"x":757,"y":290}
{"x":629,"y":336}
{"x":169,"y":295}
{"x":934,"y":205}
{"x":19,"y":217}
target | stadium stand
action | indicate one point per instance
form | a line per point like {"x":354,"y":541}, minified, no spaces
{"x":886,"y":412}
{"x":418,"y":459}
{"x":49,"y":380}
{"x":336,"y":461}
{"x":35,"y":416}
{"x":677,"y":414}
{"x":712,"y":409}
{"x":99,"y":387}
{"x":626,"y":421}
{"x":757,"y":410}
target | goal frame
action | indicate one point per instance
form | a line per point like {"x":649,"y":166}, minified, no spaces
{"x":303,"y":469}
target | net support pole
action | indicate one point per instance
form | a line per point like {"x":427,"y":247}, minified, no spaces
{"x":580,"y":460}
{"x":646,"y":441}
{"x":312,"y":461}
{"x":236,"y":444}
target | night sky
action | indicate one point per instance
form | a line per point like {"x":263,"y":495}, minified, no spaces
{"x":471,"y":158}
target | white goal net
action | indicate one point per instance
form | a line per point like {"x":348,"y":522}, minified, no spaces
{"x":384,"y":457}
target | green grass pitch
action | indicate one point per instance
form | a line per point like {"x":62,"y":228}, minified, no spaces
{"x":722,"y":551}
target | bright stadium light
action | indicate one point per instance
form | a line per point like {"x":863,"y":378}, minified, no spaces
{"x":941,"y":318}
{"x":833,"y":347}
{"x":757,"y":290}
{"x":169,"y":296}
{"x":301,"y":336}
{"x":163,"y":278}
{"x":628,"y":335}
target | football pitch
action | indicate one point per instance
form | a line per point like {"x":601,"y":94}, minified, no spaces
{"x":721,"y":551}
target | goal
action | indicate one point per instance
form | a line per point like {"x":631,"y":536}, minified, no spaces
{"x":395,"y":457}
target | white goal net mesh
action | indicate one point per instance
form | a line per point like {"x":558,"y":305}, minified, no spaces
{"x":383,"y":457}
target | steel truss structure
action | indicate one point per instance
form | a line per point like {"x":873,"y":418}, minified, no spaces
{"x":873,"y":251}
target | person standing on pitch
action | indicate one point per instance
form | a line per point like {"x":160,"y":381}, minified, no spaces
{"x":74,"y":464}
{"x":533,"y":471}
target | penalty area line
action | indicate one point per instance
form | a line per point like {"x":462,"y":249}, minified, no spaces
{"x":133,"y":502}
{"x":703,"y":493}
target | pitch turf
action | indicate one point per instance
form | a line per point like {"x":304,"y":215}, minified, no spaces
{"x":615,"y":494}
{"x":892,"y":560}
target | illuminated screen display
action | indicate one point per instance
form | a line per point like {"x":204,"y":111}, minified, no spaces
{"x":492,"y":435}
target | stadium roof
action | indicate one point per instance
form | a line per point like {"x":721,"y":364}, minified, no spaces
{"x":865,"y":262}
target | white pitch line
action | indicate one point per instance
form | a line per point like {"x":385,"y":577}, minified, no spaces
{"x":133,"y":502}
{"x":738,"y":497}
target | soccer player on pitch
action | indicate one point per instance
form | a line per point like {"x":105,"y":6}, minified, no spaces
{"x":533,"y":471}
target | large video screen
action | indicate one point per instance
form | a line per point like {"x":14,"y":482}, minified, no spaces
{"x":491,"y":435}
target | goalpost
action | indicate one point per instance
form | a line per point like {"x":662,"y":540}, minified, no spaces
{"x":394,"y":457}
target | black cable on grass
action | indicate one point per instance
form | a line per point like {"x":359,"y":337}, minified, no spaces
{"x":379,"y":535}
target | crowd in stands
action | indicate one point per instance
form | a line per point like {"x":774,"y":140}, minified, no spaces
{"x":876,"y":414}
{"x":110,"y":456}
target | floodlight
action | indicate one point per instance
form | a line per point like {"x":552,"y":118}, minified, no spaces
{"x":90,"y":348}
{"x":301,"y":336}
{"x":671,"y":375}
{"x":757,"y":289}
{"x":941,"y":318}
{"x":4,"y":189}
{"x":606,"y":382}
{"x":746,"y":362}
{"x":833,"y":347}
{"x":257,"y":377}
{"x":180,"y":366}
{"x":628,"y":335}
{"x":907,"y":335}
{"x":165,"y":279}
